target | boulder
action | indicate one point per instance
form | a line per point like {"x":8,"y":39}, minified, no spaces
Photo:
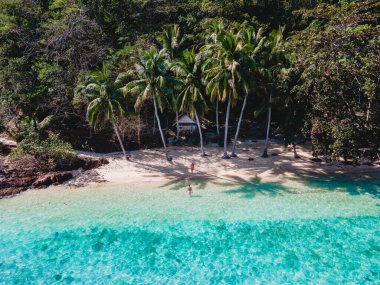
{"x":86,"y":163}
{"x":93,"y":163}
{"x":52,"y":178}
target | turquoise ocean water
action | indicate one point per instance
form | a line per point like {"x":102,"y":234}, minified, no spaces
{"x":314,"y":231}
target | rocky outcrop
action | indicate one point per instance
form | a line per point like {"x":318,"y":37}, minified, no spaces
{"x":84,"y":162}
{"x":52,"y":178}
{"x":29,"y":172}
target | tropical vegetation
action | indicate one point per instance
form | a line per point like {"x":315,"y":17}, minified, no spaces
{"x":294,"y":71}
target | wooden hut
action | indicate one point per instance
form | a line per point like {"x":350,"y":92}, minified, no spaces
{"x":186,"y":124}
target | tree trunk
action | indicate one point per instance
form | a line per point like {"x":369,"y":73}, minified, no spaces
{"x":368,"y":112}
{"x":238,"y":126}
{"x":265,"y":154}
{"x":225,"y":155}
{"x":139,"y":130}
{"x":200,"y":134}
{"x":90,"y":132}
{"x":119,"y":138}
{"x":154,"y":122}
{"x":217,"y":118}
{"x":295,"y":150}
{"x":159,"y":126}
{"x":176,"y":113}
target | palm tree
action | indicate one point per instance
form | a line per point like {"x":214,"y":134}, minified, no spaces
{"x":151,"y":84}
{"x":222,"y":71}
{"x":216,"y":28}
{"x":175,"y":98}
{"x":251,"y":43}
{"x":215,"y":91}
{"x":275,"y":66}
{"x":105,"y":103}
{"x":269,"y":116}
{"x":173,"y":43}
{"x":188,"y":69}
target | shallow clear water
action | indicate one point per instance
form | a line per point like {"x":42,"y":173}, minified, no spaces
{"x":319,"y":231}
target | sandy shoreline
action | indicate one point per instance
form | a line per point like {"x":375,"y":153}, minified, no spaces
{"x":151,"y":166}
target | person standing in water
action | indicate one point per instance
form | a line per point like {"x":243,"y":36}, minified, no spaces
{"x":190,"y":190}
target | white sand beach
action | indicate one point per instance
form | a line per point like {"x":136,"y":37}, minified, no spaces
{"x":150,"y":165}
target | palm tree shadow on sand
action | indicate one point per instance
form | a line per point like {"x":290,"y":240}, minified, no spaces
{"x":179,"y":178}
{"x":247,"y":189}
{"x":200,"y":180}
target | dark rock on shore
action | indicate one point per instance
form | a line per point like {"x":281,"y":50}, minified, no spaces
{"x":29,"y":172}
{"x":85,"y":163}
{"x":52,"y":178}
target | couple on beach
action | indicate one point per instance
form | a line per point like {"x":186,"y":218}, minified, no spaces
{"x":190,"y":189}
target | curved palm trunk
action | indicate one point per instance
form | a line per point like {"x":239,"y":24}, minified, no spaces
{"x":119,"y":138}
{"x":90,"y":132}
{"x":265,"y":154}
{"x":154,"y":125}
{"x":368,"y":111}
{"x":295,"y":150}
{"x":176,"y":113}
{"x":200,"y":133}
{"x":368,"y":114}
{"x":159,"y":126}
{"x":139,"y":130}
{"x":217,"y":118}
{"x":238,"y":126}
{"x":225,"y":155}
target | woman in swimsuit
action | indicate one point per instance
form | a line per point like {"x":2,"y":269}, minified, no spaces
{"x":192,"y":166}
{"x":190,"y":190}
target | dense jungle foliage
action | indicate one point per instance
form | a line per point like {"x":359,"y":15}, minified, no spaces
{"x":88,"y":69}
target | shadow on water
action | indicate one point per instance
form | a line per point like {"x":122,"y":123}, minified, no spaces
{"x":249,"y":189}
{"x":351,"y":185}
{"x":367,"y":183}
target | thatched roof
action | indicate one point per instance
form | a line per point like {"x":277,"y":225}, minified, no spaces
{"x":185,"y":120}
